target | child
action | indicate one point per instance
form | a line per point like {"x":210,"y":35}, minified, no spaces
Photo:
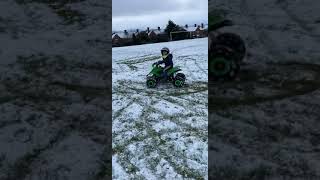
{"x":167,"y":60}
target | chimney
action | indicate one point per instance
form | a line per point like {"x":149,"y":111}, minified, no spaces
{"x":195,"y":25}
{"x":158,"y":28}
{"x":186,"y":26}
{"x":148,"y":29}
{"x":202,"y":26}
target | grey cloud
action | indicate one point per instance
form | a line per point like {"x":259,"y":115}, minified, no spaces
{"x":142,"y":13}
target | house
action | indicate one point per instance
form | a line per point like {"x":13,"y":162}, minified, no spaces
{"x":157,"y":35}
{"x":116,"y":39}
{"x":197,"y":31}
{"x":153,"y":34}
{"x":134,"y":37}
{"x":122,"y":38}
{"x":204,"y":30}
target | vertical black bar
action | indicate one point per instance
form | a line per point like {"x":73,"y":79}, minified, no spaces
{"x":263,"y":108}
{"x":55,"y":89}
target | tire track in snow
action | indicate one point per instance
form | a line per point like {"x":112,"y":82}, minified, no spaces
{"x":191,"y":74}
{"x":148,"y":126}
{"x":22,"y":167}
{"x":263,"y":36}
{"x":283,"y":4}
{"x":149,"y":134}
{"x":278,"y":125}
{"x":35,"y":99}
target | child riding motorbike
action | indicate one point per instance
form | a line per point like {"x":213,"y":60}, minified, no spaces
{"x":167,"y":60}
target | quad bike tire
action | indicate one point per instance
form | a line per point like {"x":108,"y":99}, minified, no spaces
{"x":178,"y":81}
{"x":181,"y":75}
{"x":223,"y":64}
{"x":151,"y":82}
{"x":234,"y":42}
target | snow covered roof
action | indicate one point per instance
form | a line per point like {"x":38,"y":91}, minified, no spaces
{"x":124,"y":35}
{"x":193,"y":28}
{"x":205,"y":26}
{"x":113,"y":35}
{"x":190,"y":29}
{"x":156,"y":31}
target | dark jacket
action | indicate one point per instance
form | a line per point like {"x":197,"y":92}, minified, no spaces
{"x":167,"y":61}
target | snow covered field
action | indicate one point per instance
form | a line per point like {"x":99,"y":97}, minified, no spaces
{"x":161,"y":132}
{"x":265,"y":125}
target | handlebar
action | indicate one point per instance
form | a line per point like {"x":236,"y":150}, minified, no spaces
{"x":155,"y":65}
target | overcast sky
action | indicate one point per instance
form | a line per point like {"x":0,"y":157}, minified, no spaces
{"x":133,"y":14}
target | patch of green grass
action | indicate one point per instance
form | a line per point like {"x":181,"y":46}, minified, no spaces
{"x":216,"y":103}
{"x":70,"y":16}
{"x":6,"y":99}
{"x":216,"y":15}
{"x":141,"y":60}
{"x":183,"y":170}
{"x":124,"y":160}
{"x":105,"y":170}
{"x":2,"y":159}
{"x":22,"y":167}
{"x":235,"y":173}
{"x":132,"y":67}
{"x":60,"y":8}
{"x":86,"y":92}
{"x":278,"y":78}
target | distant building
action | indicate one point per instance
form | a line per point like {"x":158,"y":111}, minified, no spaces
{"x":122,"y":38}
{"x":158,"y":35}
{"x":197,"y":31}
{"x":154,"y":32}
{"x":133,"y":37}
{"x":116,"y":40}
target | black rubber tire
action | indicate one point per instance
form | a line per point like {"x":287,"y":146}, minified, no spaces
{"x":227,"y":58}
{"x":181,"y":75}
{"x":178,"y":79}
{"x":151,"y":82}
{"x":234,"y":42}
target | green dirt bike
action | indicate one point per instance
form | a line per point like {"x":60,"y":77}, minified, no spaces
{"x":155,"y":76}
{"x":226,"y":50}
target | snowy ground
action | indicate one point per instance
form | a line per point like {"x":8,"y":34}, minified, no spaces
{"x":54,"y":96}
{"x":161,"y":132}
{"x":265,"y":125}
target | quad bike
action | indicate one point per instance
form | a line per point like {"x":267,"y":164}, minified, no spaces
{"x":226,"y":50}
{"x":155,"y":76}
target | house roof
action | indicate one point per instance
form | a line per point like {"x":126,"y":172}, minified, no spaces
{"x":124,"y":35}
{"x":113,"y":35}
{"x":190,"y":29}
{"x":156,"y":31}
{"x":205,"y":26}
{"x":129,"y":34}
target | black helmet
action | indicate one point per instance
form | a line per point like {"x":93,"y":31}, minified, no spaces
{"x":165,"y":49}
